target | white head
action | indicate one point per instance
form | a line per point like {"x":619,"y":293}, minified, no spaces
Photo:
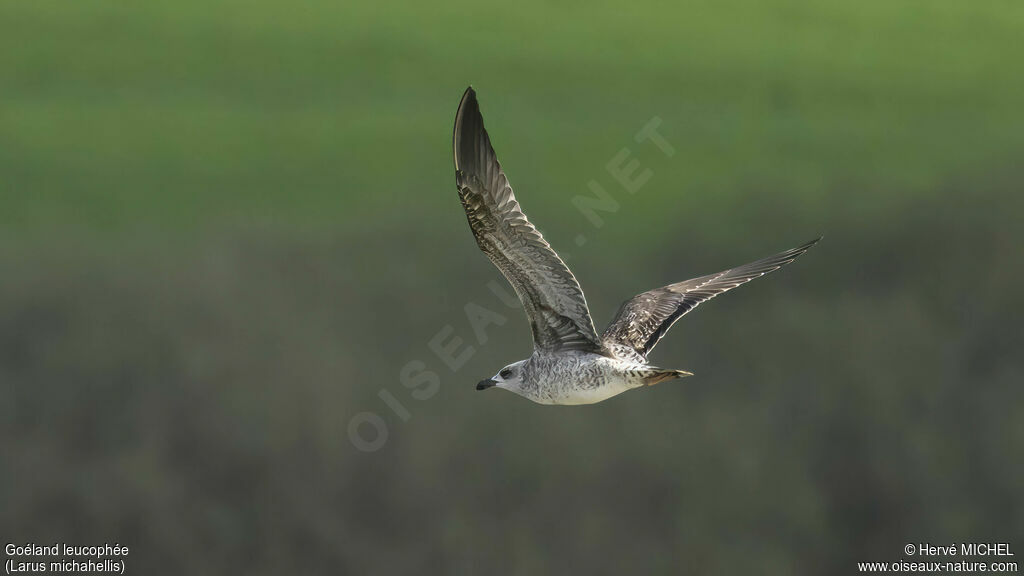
{"x":510,"y":378}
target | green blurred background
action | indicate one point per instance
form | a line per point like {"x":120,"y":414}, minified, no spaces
{"x":226,"y":227}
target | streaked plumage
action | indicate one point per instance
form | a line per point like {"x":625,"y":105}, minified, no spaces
{"x":570,"y":364}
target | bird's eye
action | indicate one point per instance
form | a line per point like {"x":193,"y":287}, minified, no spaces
{"x":505,"y":374}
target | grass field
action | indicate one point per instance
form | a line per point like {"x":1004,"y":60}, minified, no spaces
{"x":182,"y":115}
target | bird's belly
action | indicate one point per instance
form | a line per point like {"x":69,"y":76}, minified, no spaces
{"x":593,"y":396}
{"x":579,"y":391}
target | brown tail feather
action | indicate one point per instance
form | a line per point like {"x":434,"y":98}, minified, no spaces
{"x":656,"y":376}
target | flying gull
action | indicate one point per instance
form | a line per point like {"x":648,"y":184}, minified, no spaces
{"x":571,"y":363}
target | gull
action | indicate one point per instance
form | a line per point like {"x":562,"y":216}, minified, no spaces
{"x":571,"y":363}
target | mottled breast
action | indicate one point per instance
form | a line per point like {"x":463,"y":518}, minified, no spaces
{"x":579,"y":378}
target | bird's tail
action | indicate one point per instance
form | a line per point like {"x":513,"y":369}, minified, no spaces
{"x":658,"y":375}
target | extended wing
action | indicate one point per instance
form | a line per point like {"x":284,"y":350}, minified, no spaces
{"x":552,"y":297}
{"x":643,"y":320}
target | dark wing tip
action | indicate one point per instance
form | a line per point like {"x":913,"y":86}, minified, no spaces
{"x":468,"y":125}
{"x":804,"y":248}
{"x":807,"y":245}
{"x":467,"y":104}
{"x":779,"y":260}
{"x":793,"y":253}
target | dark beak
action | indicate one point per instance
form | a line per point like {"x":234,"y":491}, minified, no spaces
{"x":485,"y":384}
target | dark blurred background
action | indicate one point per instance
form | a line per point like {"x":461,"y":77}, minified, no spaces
{"x":226,"y":229}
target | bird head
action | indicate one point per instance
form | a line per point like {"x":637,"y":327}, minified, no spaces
{"x":510,"y":377}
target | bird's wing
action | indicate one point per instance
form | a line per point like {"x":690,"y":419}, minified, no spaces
{"x":552,"y":297}
{"x":643,"y":320}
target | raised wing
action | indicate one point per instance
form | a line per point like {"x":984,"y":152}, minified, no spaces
{"x":552,"y":297}
{"x":642,"y":321}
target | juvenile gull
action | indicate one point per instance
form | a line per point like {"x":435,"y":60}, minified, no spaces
{"x":570,"y":364}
